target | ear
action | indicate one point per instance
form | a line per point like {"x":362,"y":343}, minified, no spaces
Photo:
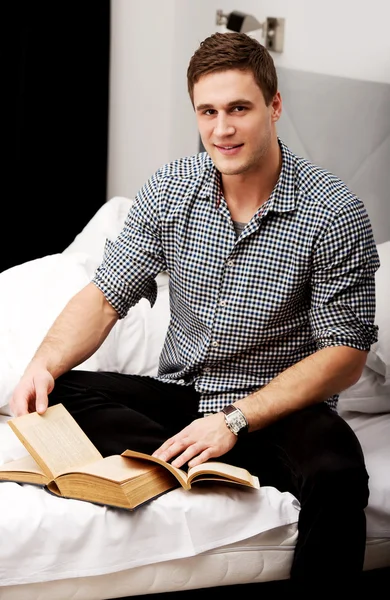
{"x":276,"y":107}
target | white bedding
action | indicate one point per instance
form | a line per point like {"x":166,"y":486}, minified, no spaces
{"x":103,"y":540}
{"x":45,"y":538}
{"x":182,"y":540}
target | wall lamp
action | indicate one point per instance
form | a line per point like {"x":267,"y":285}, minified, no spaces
{"x":272,"y":28}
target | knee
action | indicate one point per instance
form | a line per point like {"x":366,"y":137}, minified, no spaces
{"x":338,"y":486}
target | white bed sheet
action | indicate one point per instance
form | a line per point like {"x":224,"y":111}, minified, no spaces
{"x":47,"y":539}
{"x":44,"y":537}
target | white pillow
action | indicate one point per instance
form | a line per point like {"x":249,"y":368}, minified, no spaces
{"x":31,"y":296}
{"x":371,"y":394}
{"x":139,"y":337}
{"x":105,"y":224}
{"x":378,"y":358}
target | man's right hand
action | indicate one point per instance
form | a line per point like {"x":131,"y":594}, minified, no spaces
{"x":78,"y":331}
{"x":31,"y":393}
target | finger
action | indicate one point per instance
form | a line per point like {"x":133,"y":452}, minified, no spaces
{"x":19,"y":407}
{"x":41,"y":399}
{"x":201,"y":458}
{"x":173,"y":450}
{"x":163,"y":448}
{"x":186,"y":456}
{"x":43,"y":387}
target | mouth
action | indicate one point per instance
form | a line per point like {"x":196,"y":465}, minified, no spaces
{"x":228,"y":150}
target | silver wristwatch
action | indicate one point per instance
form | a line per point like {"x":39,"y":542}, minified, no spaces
{"x":235,"y":420}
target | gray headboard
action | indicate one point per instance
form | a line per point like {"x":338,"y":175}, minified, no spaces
{"x":342,"y":125}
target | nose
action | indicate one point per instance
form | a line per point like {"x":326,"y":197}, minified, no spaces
{"x":223,"y":126}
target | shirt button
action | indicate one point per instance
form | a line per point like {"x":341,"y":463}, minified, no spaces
{"x":222,"y":303}
{"x":181,"y":381}
{"x":215,"y":343}
{"x":206,"y":370}
{"x":230,"y":263}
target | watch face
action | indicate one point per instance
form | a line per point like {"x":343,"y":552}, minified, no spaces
{"x":236,"y":422}
{"x":235,"y":419}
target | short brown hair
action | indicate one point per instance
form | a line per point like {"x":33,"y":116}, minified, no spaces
{"x":224,"y":51}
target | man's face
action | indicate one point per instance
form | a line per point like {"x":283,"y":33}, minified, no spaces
{"x":236,"y":126}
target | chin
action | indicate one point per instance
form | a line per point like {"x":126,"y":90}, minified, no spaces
{"x":231,"y":169}
{"x":225,"y":166}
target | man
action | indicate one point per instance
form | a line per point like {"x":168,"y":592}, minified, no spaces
{"x":272,"y":266}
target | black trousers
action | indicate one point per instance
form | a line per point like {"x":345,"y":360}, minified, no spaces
{"x":312,"y":453}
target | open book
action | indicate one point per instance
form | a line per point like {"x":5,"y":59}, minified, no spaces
{"x":65,"y":461}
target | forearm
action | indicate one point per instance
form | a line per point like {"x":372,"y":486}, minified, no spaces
{"x":312,"y":380}
{"x":77,"y":333}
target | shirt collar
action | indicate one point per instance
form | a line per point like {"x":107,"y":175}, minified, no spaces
{"x":282,"y":198}
{"x":213,"y":187}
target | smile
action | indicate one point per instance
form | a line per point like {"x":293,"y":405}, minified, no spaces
{"x":228,"y":149}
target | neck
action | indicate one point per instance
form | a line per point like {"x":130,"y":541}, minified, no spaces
{"x":246,"y":192}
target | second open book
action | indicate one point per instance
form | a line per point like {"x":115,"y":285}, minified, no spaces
{"x":64,"y":460}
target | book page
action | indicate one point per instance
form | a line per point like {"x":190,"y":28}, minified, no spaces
{"x":180,"y":475}
{"x":219,"y":470}
{"x":55,"y":440}
{"x":114,"y":468}
{"x":23,"y":470}
{"x":116,"y":481}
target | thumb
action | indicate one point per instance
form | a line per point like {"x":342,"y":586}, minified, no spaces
{"x":43,"y":387}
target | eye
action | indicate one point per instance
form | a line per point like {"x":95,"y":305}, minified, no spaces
{"x":238,"y":108}
{"x":210,"y":111}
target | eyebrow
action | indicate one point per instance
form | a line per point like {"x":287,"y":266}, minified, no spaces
{"x":238,"y":102}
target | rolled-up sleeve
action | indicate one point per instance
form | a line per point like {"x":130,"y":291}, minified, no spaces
{"x":343,"y":283}
{"x":132,"y":261}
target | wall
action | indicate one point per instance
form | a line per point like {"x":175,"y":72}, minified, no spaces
{"x":151,"y":118}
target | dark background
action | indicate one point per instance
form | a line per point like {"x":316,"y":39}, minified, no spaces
{"x":55,"y":126}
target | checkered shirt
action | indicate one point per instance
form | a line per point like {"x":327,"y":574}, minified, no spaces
{"x":300,"y":277}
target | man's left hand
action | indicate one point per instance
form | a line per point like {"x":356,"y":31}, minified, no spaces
{"x":203,"y":439}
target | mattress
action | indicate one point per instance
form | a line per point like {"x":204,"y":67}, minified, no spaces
{"x":57,"y":548}
{"x":254,"y":561}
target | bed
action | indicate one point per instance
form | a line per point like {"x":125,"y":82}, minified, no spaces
{"x":58,"y":548}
